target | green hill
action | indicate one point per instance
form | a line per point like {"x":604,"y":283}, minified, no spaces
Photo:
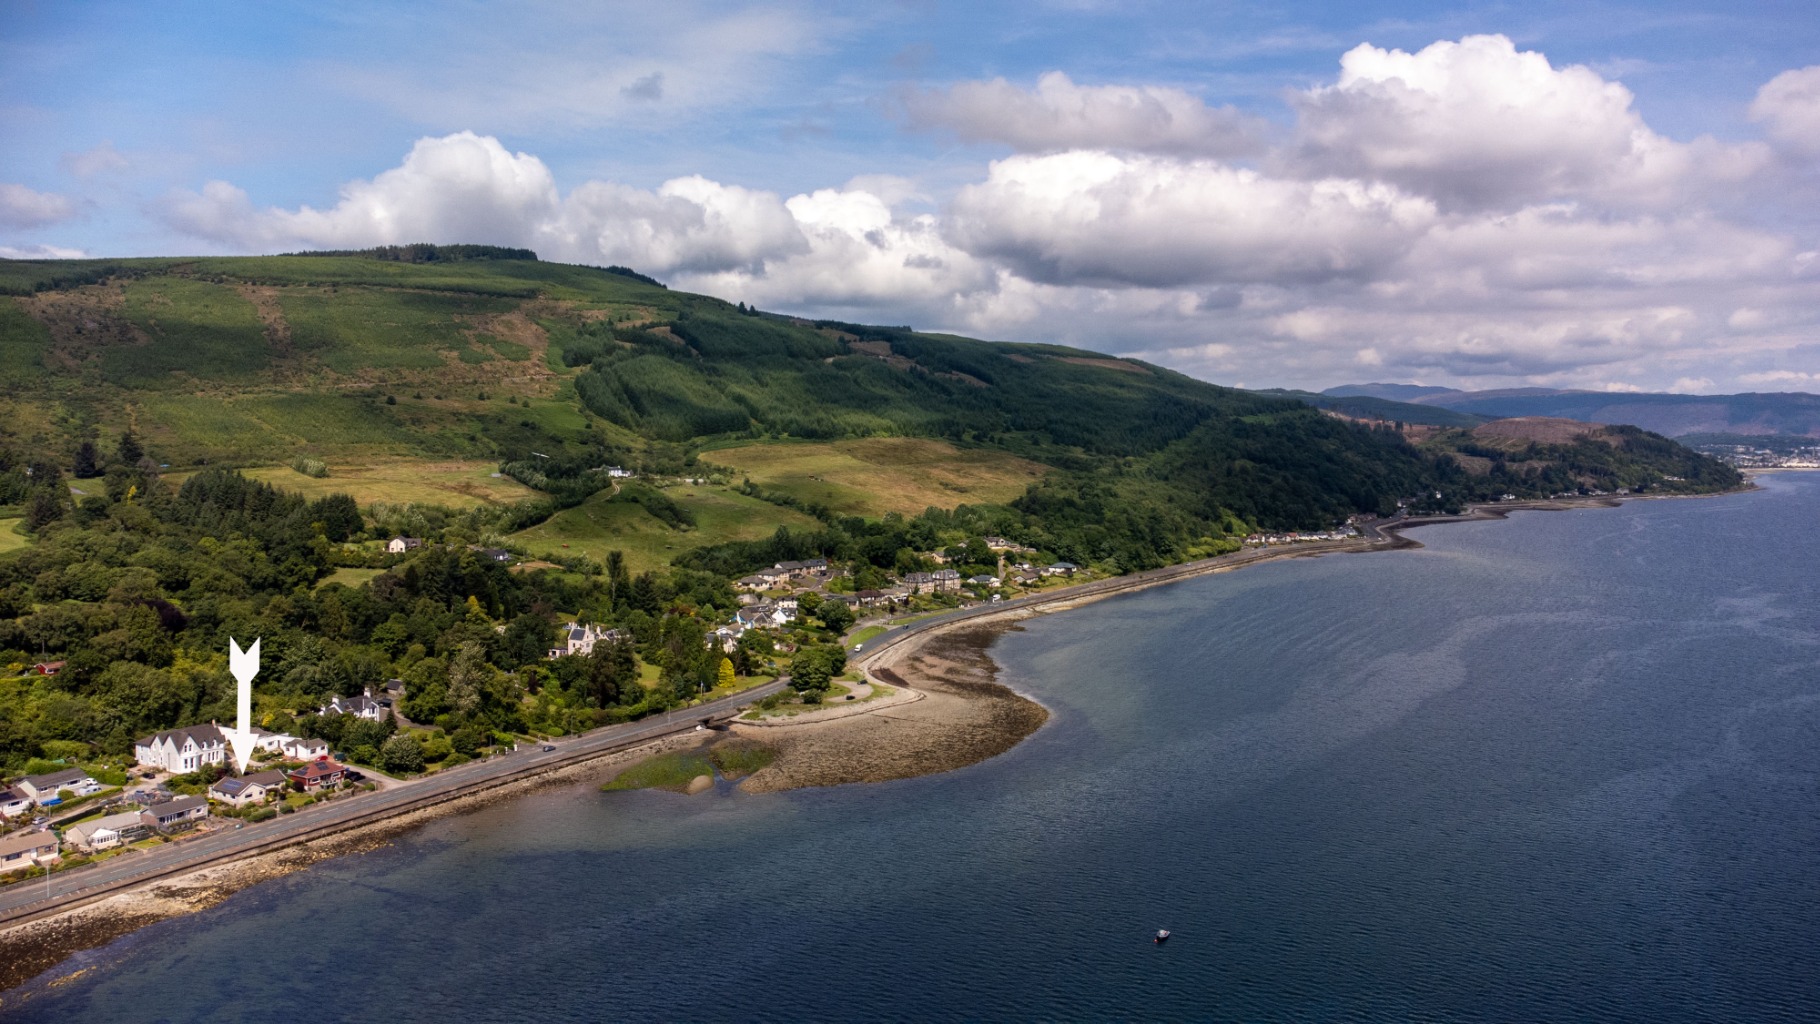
{"x":550,"y":370}
{"x":199,"y":449}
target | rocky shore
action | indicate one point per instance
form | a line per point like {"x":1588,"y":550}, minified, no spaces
{"x":965,"y":716}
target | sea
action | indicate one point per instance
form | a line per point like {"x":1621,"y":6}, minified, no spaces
{"x":1564,"y":767}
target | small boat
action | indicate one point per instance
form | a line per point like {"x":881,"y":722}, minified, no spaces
{"x":1162,"y":936}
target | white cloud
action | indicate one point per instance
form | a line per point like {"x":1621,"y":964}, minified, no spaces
{"x":22,"y":207}
{"x":1779,"y":377}
{"x":41,"y":252}
{"x":458,"y":188}
{"x":102,"y":159}
{"x":1788,"y":106}
{"x":1099,"y":219}
{"x":688,"y":224}
{"x":1477,"y":123}
{"x":1060,"y":115}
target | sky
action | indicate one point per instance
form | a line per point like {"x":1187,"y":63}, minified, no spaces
{"x":1612,"y":196}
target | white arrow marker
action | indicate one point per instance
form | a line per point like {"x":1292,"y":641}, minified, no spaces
{"x":244,"y":665}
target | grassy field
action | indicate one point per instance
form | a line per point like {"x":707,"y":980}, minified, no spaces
{"x":872,"y":476}
{"x":11,"y":539}
{"x":601,"y":525}
{"x":353,"y":579}
{"x":865,"y":635}
{"x":455,"y":483}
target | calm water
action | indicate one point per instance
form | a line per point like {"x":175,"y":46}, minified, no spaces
{"x":1561,"y":768}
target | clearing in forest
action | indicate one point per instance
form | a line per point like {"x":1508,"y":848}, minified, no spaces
{"x":875,"y":475}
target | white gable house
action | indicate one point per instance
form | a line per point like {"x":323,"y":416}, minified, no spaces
{"x":181,"y":751}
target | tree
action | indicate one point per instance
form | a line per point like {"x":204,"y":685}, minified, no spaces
{"x":836,"y":616}
{"x":88,"y":461}
{"x":42,"y":509}
{"x":809,"y":671}
{"x":526,"y":640}
{"x":612,"y":669}
{"x":726,"y":674}
{"x":129,"y":450}
{"x":401,"y":754}
{"x":339,"y":515}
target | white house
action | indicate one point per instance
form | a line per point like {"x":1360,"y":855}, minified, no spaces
{"x":173,"y":813}
{"x":248,"y":789}
{"x":45,"y":790}
{"x":364,"y":706}
{"x":14,"y":802}
{"x":762,"y":614}
{"x":579,"y":639}
{"x":399,"y":545}
{"x":181,"y":751}
{"x":304,"y":750}
{"x":27,"y":849}
{"x":105,"y":833}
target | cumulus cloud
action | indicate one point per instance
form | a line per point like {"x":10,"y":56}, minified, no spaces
{"x":1060,"y":115}
{"x":1098,"y":218}
{"x":455,"y":188}
{"x":688,"y":224}
{"x":1477,"y":123}
{"x":1788,"y":106}
{"x":22,"y":207}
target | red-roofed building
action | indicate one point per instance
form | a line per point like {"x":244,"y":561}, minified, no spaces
{"x":317,"y":774}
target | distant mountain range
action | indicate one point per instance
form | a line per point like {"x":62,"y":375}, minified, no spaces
{"x":1790,"y":413}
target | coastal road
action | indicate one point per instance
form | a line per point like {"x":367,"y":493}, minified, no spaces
{"x":24,"y":901}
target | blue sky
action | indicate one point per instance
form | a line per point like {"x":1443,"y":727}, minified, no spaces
{"x":1591,"y":195}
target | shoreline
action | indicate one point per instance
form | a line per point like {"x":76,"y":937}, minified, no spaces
{"x":953,"y":654}
{"x":956,"y":714}
{"x":30,"y":949}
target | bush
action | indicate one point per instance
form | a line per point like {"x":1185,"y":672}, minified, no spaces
{"x":263,"y":814}
{"x":310,"y":467}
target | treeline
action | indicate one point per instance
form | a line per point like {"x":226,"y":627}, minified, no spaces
{"x":424,"y":252}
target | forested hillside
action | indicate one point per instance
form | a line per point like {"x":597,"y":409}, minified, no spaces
{"x":198,"y":448}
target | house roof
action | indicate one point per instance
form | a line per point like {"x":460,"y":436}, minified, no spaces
{"x":19,"y":842}
{"x":113,"y":823}
{"x":173,"y":808}
{"x":316,"y":770}
{"x":56,"y":780}
{"x":204,"y":735}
